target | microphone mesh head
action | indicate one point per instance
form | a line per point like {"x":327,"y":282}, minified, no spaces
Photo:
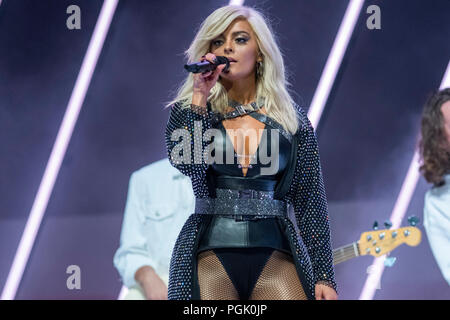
{"x":223,"y":60}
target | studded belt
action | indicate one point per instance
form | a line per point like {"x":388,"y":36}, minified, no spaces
{"x":242,"y":203}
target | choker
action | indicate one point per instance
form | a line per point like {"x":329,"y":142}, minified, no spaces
{"x":239,"y":109}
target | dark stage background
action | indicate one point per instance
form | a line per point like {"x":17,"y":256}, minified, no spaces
{"x":367,"y":133}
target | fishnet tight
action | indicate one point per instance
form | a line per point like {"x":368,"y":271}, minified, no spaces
{"x":278,"y":280}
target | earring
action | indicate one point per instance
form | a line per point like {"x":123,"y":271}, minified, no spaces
{"x":259,"y":69}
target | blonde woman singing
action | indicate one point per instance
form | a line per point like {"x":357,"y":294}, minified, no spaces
{"x":251,"y":154}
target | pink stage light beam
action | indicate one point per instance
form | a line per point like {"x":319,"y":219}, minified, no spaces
{"x":334,"y":61}
{"x":59,"y":150}
{"x":236,"y":2}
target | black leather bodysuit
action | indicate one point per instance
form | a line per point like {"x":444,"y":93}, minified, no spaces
{"x":247,"y":231}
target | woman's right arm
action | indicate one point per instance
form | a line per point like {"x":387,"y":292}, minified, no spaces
{"x":187,"y":125}
{"x":184,"y":138}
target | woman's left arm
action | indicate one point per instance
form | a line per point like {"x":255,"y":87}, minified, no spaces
{"x":311,"y":212}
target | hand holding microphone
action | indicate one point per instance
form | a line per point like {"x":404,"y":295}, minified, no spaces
{"x":205,"y":65}
{"x":203,"y":82}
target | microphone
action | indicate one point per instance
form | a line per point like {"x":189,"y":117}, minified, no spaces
{"x":205,"y":66}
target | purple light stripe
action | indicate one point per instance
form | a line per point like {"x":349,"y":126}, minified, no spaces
{"x":59,"y":150}
{"x":123,"y":293}
{"x":399,"y":211}
{"x":334,"y":61}
{"x":236,"y":2}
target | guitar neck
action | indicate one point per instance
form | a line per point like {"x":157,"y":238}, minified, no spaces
{"x":345,"y":253}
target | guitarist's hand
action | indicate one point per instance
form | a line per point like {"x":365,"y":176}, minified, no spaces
{"x":324,"y":292}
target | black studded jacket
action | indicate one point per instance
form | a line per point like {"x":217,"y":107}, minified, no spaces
{"x":301,"y":186}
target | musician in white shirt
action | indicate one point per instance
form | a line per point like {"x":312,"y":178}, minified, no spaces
{"x":160,"y":199}
{"x":435,"y":156}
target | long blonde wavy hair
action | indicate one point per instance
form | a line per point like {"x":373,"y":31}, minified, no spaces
{"x":272,"y":84}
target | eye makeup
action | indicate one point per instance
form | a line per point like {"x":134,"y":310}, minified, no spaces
{"x":239,"y":39}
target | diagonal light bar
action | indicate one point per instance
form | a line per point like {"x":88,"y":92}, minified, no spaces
{"x":123,"y":293}
{"x":236,"y":2}
{"x":59,"y":150}
{"x":334,"y":61}
{"x":399,"y":211}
